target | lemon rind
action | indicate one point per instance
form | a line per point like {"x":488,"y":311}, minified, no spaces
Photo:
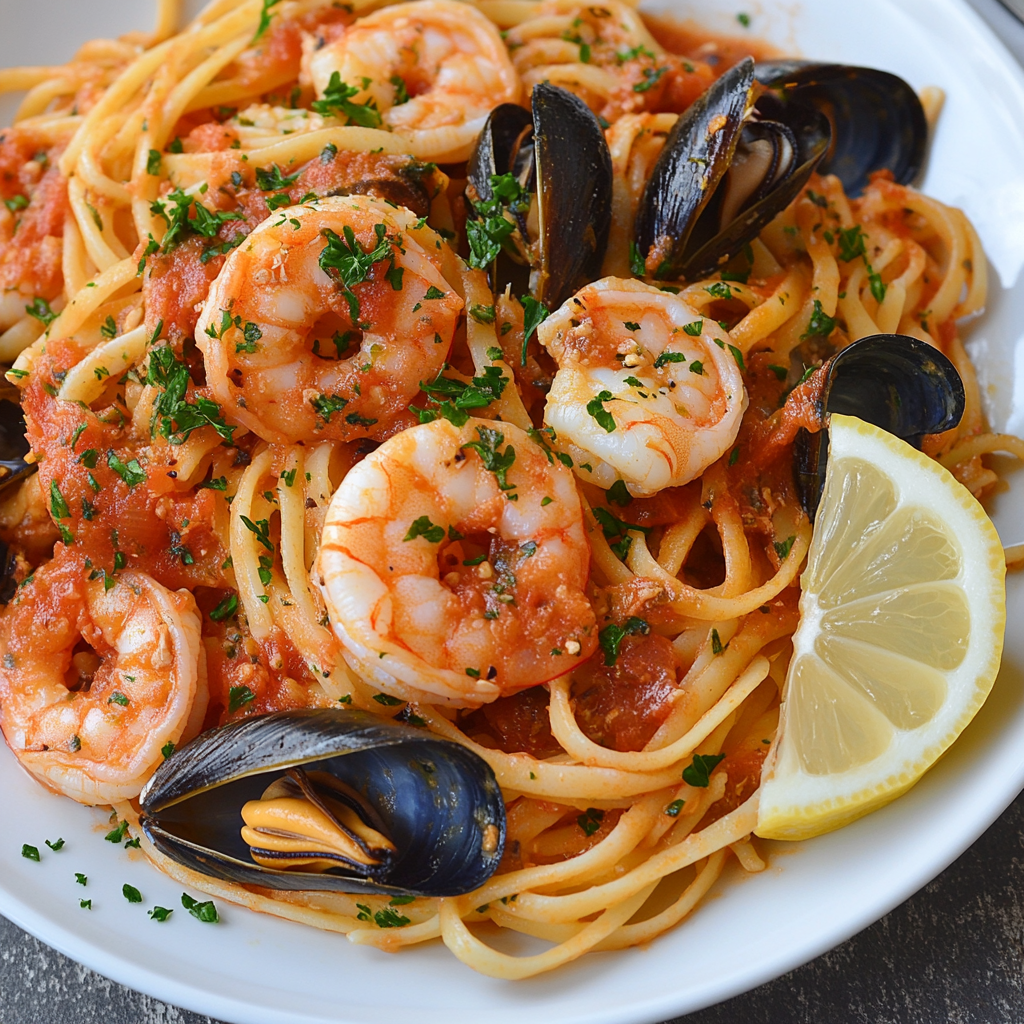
{"x":796,"y":805}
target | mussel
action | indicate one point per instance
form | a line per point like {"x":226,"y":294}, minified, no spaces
{"x":328,"y":800}
{"x":558,"y":152}
{"x":878,"y":122}
{"x":728,"y":166}
{"x":13,"y":468}
{"x":13,"y":443}
{"x":896,"y":382}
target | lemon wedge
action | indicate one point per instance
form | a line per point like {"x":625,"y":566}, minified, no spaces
{"x":901,"y":630}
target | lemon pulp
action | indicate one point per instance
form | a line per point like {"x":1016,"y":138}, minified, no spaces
{"x":901,"y":629}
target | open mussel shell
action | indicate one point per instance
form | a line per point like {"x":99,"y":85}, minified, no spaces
{"x":574,"y":191}
{"x":437,"y":802}
{"x":726,"y":170}
{"x":13,"y":443}
{"x":558,"y":151}
{"x":896,"y":382}
{"x":506,"y":129}
{"x":13,"y":468}
{"x":877,"y":119}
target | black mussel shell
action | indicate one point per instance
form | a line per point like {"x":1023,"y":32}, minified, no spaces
{"x":557,"y":150}
{"x":695,"y":157}
{"x":13,"y":443}
{"x":497,"y":148}
{"x":724,"y":173}
{"x":896,"y":382}
{"x":436,"y":800}
{"x":13,"y":467}
{"x":877,"y":119}
{"x":574,"y":186}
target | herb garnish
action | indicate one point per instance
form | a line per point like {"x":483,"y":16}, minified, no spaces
{"x":698,"y":773}
{"x":205,"y":912}
{"x":337,"y":101}
{"x":610,"y":638}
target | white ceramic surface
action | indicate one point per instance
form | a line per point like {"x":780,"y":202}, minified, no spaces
{"x":258,"y":970}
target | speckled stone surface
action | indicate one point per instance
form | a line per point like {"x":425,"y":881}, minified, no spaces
{"x":952,"y":953}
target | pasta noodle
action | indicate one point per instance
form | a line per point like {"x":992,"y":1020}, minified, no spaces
{"x":614,"y":835}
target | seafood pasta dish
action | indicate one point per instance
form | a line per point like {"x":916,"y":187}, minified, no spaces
{"x":482,"y":465}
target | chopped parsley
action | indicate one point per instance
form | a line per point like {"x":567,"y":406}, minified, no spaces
{"x":116,"y":834}
{"x":388,"y":918}
{"x":327,"y":405}
{"x":264,"y":23}
{"x":131,"y":894}
{"x":618,"y":494}
{"x":596,"y":409}
{"x":238,"y":697}
{"x":345,"y":260}
{"x":30,"y":852}
{"x":716,"y":643}
{"x":610,"y":638}
{"x":261,"y":530}
{"x":851,"y":243}
{"x":387,"y":700}
{"x":205,"y":912}
{"x":821,"y":325}
{"x":401,"y":91}
{"x":674,"y":808}
{"x":698,"y":773}
{"x":534,"y":314}
{"x":130,"y":472}
{"x":153,"y":162}
{"x":694,"y":329}
{"x":590,"y":820}
{"x":488,"y":234}
{"x":651,"y":77}
{"x":483,"y":315}
{"x":423,"y":527}
{"x":783,"y":548}
{"x":109,"y":328}
{"x":117,"y":697}
{"x":636,"y":261}
{"x":272,"y":180}
{"x":664,"y":358}
{"x":160,"y":913}
{"x":451,"y":398}
{"x":173,"y":416}
{"x":497,"y":462}
{"x":175,"y":208}
{"x":40,"y":310}
{"x":337,"y":101}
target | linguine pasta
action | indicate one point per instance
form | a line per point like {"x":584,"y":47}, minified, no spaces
{"x":631,"y":780}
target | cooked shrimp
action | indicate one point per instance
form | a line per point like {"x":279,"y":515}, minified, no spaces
{"x":98,"y":684}
{"x":454,"y":562}
{"x":433,"y":70}
{"x":647,"y":391}
{"x":322,"y":324}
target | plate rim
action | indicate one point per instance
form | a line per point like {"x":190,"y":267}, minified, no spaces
{"x":125,"y":970}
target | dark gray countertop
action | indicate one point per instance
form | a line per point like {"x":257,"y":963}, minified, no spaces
{"x":954,"y":952}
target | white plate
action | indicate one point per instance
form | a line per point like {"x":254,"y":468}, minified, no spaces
{"x":256,"y":969}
